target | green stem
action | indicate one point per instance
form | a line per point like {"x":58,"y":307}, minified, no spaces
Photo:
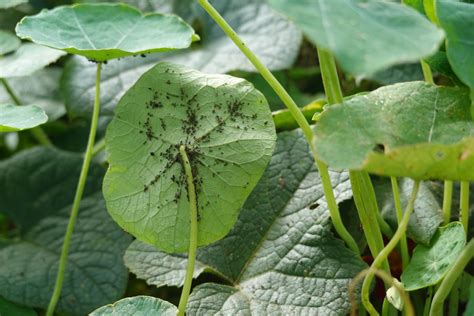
{"x":77,"y":198}
{"x":464,"y":203}
{"x":37,"y":132}
{"x":447,"y":201}
{"x":427,"y":74}
{"x":427,"y":306}
{"x":399,"y":211}
{"x":453,"y":274}
{"x":453,"y":304}
{"x":331,"y":83}
{"x":297,"y":115}
{"x":99,"y":146}
{"x":193,"y":233}
{"x":388,"y":249}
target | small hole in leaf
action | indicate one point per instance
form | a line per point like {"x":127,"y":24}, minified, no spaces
{"x":313,"y":206}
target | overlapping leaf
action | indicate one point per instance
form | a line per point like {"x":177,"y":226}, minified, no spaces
{"x":270,"y":36}
{"x":9,"y":308}
{"x":27,"y":59}
{"x":17,"y":118}
{"x":95,"y":274}
{"x":8,"y":42}
{"x":227,"y":129}
{"x":281,"y":257}
{"x":429,"y":264}
{"x":105,"y":31}
{"x":5,"y":4}
{"x":137,"y":306}
{"x":412,"y":130}
{"x":457,"y":20}
{"x":365,"y":36}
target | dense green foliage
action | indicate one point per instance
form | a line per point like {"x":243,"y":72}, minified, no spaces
{"x":148,"y":165}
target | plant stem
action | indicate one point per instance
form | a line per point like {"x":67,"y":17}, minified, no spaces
{"x":388,"y":249}
{"x":37,"y":132}
{"x":427,"y":74}
{"x":447,"y":201}
{"x":399,"y":211}
{"x":297,"y":115}
{"x":427,"y":306}
{"x":331,"y":83}
{"x":453,"y":304}
{"x":77,"y":197}
{"x":99,"y":146}
{"x":464,"y":203}
{"x":453,"y":274}
{"x":193,"y":233}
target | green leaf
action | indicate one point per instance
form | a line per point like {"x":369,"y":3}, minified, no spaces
{"x":228,"y":132}
{"x":414,"y":130}
{"x":269,"y":35}
{"x":396,"y":74}
{"x":40,"y":88}
{"x":105,"y":31}
{"x":359,"y":33}
{"x":27,"y":59}
{"x":8,"y":42}
{"x":9,"y":308}
{"x":52,"y":178}
{"x":95,"y":274}
{"x":416,"y":4}
{"x":439,"y":64}
{"x":5,"y":4}
{"x":429,"y":264}
{"x":457,"y":20}
{"x":280,"y":258}
{"x":137,"y":306}
{"x":17,"y":118}
{"x":426,"y":217}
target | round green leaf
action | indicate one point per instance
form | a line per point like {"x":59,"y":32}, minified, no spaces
{"x":137,"y":306}
{"x":17,"y":118}
{"x":365,"y":36}
{"x":27,"y":59}
{"x":430,"y":264}
{"x":105,"y":31}
{"x":414,"y":130}
{"x":228,"y":131}
{"x":5,"y":4}
{"x":8,"y":42}
{"x":457,"y":19}
{"x":9,"y":308}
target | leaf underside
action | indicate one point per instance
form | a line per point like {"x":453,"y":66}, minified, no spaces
{"x":227,"y":129}
{"x":17,"y":118}
{"x":137,"y":306}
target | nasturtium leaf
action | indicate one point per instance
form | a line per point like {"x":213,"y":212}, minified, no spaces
{"x":427,"y":214}
{"x":413,"y":129}
{"x":27,"y":59}
{"x":227,"y":129}
{"x":429,"y":264}
{"x":137,"y":306}
{"x":365,"y":36}
{"x":52,"y":177}
{"x":40,"y":88}
{"x":95,"y":274}
{"x":105,"y":31}
{"x":457,"y":20}
{"x":281,"y":257}
{"x":8,"y":42}
{"x":5,"y":4}
{"x":416,"y":4}
{"x":275,"y":40}
{"x":8,"y":308}
{"x":439,"y":64}
{"x":17,"y":118}
{"x":396,"y":74}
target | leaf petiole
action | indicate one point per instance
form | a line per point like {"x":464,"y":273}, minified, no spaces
{"x":193,"y":233}
{"x":77,"y":198}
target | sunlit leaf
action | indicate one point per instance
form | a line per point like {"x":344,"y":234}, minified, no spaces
{"x":17,"y":118}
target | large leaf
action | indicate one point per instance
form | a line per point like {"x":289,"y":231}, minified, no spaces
{"x":5,"y":4}
{"x":137,"y":306}
{"x":228,"y":132}
{"x":27,"y":59}
{"x":95,"y":274}
{"x":430,"y":264}
{"x":457,"y":19}
{"x":270,"y":36}
{"x":105,"y":31}
{"x":281,"y":257}
{"x":411,"y":129}
{"x":365,"y":36}
{"x":40,"y":88}
{"x":40,"y":182}
{"x":17,"y":118}
{"x":426,"y":217}
{"x":8,"y":42}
